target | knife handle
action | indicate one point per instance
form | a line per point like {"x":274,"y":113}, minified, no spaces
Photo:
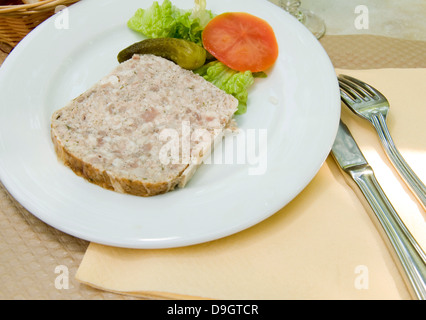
{"x":410,"y":256}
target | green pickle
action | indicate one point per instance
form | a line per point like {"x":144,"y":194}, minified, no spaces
{"x":185,"y":53}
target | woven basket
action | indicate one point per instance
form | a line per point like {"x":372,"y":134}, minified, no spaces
{"x":16,"y":21}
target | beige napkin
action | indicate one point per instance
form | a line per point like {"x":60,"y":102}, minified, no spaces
{"x":322,"y":245}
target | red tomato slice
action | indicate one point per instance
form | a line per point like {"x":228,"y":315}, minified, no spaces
{"x":241,"y":41}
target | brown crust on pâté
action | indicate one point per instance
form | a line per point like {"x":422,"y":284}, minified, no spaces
{"x":103,"y":179}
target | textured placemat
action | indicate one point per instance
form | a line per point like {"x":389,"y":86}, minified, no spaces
{"x":34,"y":256}
{"x":373,"y":52}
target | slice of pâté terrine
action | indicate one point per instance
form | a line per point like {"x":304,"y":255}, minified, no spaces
{"x":144,"y":128}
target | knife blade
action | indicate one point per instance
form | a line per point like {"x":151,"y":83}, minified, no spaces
{"x":407,"y":253}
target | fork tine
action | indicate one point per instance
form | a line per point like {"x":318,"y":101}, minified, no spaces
{"x":356,"y":89}
{"x":349,"y":91}
{"x":372,"y":92}
{"x":346,"y":91}
{"x":346,"y":97}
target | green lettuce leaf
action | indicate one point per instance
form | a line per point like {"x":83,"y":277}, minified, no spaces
{"x":167,"y":21}
{"x":231,"y":81}
{"x":199,"y":12}
{"x":156,"y":21}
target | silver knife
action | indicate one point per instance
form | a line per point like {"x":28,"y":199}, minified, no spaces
{"x":408,"y":254}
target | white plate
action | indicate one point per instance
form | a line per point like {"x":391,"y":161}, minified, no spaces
{"x":298,"y":104}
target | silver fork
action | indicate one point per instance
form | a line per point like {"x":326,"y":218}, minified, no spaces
{"x":370,"y":104}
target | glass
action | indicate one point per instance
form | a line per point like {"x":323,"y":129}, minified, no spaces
{"x":314,"y":23}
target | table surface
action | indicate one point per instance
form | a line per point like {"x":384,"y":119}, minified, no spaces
{"x":30,"y":250}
